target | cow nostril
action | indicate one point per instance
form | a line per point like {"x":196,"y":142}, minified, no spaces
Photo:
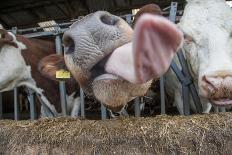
{"x":69,"y":45}
{"x":108,"y":20}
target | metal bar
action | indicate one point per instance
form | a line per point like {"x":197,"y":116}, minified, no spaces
{"x":31,"y":99}
{"x":61,"y":83}
{"x":187,"y":74}
{"x":82,"y":103}
{"x":173,"y":10}
{"x":137,"y":107}
{"x":1,"y":107}
{"x":186,"y":105}
{"x":162,"y":95}
{"x":16,"y":106}
{"x":43,"y":34}
{"x":167,"y":8}
{"x":103,"y":112}
{"x":222,"y":109}
{"x":196,"y":98}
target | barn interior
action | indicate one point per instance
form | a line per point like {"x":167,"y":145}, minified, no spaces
{"x":28,"y":13}
{"x":29,"y":16}
{"x":154,"y":125}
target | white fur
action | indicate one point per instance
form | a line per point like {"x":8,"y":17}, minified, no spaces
{"x":209,"y":22}
{"x":14,"y":73}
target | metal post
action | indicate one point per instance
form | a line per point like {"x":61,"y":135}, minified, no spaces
{"x":103,"y":112}
{"x":186,"y":104}
{"x":222,"y":109}
{"x":14,"y":30}
{"x":32,"y":104}
{"x":61,"y":83}
{"x":82,"y":103}
{"x":162,"y":95}
{"x":16,"y":106}
{"x":173,"y":10}
{"x":128,"y":19}
{"x":1,"y":110}
{"x":137,"y":107}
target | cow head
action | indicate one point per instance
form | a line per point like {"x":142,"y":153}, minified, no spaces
{"x":98,"y":52}
{"x":208,"y":27}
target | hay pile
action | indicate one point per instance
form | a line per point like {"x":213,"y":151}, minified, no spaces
{"x":199,"y":134}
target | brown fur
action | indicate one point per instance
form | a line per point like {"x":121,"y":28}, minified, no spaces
{"x":50,"y":64}
{"x":150,"y":8}
{"x":36,"y":50}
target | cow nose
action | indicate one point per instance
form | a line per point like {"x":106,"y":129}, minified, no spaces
{"x":218,"y":86}
{"x":109,"y":19}
{"x":68,"y":42}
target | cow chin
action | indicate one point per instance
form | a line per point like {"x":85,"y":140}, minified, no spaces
{"x":215,"y":100}
{"x":221,"y":102}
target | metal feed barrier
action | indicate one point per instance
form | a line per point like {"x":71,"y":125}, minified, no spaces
{"x":183,"y":75}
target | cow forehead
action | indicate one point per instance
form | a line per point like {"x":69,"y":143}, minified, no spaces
{"x":208,"y":14}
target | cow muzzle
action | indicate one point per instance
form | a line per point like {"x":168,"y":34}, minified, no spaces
{"x":218,"y":89}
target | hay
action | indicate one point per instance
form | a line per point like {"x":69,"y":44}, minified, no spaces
{"x":197,"y":134}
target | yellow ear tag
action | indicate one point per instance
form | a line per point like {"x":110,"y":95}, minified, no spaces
{"x":63,"y":74}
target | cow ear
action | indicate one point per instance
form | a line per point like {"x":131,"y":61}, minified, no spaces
{"x":53,"y":67}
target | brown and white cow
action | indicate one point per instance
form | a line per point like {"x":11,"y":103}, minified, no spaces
{"x":112,"y":62}
{"x":19,"y":67}
{"x":207,"y":25}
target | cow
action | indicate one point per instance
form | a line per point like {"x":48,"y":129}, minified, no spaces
{"x":19,"y":67}
{"x":150,"y":9}
{"x":207,"y":26}
{"x":113,"y":63}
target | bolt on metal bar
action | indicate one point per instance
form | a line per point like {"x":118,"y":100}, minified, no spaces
{"x":103,"y":112}
{"x":137,"y":107}
{"x":1,"y":107}
{"x":82,"y":96}
{"x":16,"y":106}
{"x":61,"y":83}
{"x":162,"y":95}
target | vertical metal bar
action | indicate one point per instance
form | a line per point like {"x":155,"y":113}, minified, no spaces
{"x":222,"y":109}
{"x":103,"y":112}
{"x":16,"y":106}
{"x":162,"y":95}
{"x":216,"y":109}
{"x":186,"y":105}
{"x":137,"y":107}
{"x":82,"y":103}
{"x":63,"y":98}
{"x":32,"y":105}
{"x":173,"y":10}
{"x":61,"y":83}
{"x":192,"y":88}
{"x":1,"y":110}
{"x":129,"y":19}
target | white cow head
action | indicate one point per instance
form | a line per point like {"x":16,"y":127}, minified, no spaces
{"x":208,"y":28}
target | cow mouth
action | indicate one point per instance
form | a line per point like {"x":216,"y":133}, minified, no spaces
{"x":222,"y":102}
{"x":98,"y":71}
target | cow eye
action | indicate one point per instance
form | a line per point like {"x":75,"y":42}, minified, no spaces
{"x":188,"y":39}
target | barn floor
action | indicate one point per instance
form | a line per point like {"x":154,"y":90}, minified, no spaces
{"x":196,"y":134}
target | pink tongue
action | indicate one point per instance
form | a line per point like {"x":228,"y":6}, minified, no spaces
{"x":155,"y":42}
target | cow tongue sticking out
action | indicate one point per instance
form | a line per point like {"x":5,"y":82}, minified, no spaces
{"x":155,"y":42}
